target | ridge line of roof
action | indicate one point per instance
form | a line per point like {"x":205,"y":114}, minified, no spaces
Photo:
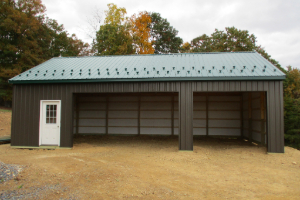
{"x":196,"y":53}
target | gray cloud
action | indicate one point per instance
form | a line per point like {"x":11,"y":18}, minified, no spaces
{"x":275,"y":23}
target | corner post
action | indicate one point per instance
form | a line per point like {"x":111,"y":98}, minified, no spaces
{"x":275,"y":117}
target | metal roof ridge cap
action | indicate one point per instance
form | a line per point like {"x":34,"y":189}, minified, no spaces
{"x":194,"y":53}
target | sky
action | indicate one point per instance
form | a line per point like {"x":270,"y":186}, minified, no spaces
{"x":275,"y":23}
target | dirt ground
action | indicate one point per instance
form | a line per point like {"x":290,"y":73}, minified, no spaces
{"x":146,"y":167}
{"x":5,"y":121}
{"x":116,"y":167}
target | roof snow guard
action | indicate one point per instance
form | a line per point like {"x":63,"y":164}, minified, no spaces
{"x":165,"y":67}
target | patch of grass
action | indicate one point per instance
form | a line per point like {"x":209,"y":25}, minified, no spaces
{"x":5,"y":110}
{"x":20,"y":186}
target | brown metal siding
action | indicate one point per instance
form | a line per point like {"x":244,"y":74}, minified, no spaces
{"x":271,"y":117}
{"x":186,"y":116}
{"x":15,"y":120}
{"x":26,"y":106}
{"x":35,"y":116}
{"x":65,"y":117}
{"x":278,"y":114}
{"x":281,"y":108}
{"x":275,"y":117}
{"x":231,"y":86}
{"x":24,"y":131}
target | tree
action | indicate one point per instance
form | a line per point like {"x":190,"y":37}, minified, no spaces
{"x":115,"y":16}
{"x":147,"y":32}
{"x":28,"y":38}
{"x":164,"y":36}
{"x":202,"y":43}
{"x":230,"y":40}
{"x":20,"y":21}
{"x":292,"y":83}
{"x":140,"y":31}
{"x":113,"y":38}
{"x":57,"y":42}
{"x":77,"y":47}
{"x":186,"y":47}
{"x":292,"y":108}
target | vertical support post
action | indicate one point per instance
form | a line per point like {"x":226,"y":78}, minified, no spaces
{"x":77,"y":112}
{"x":242,"y":115}
{"x":139,"y":115}
{"x":262,"y":117}
{"x":250,"y":115}
{"x":186,"y":116}
{"x":106,"y":115}
{"x":275,"y":116}
{"x":172,"y":116}
{"x":206,"y":111}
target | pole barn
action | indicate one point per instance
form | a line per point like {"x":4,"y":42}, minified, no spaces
{"x":211,"y":94}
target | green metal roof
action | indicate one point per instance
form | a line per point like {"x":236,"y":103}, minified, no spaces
{"x":165,"y":67}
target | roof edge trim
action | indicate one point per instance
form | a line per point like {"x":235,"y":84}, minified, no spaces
{"x":175,"y":79}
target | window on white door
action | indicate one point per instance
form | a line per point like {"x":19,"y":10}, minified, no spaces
{"x":51,"y":113}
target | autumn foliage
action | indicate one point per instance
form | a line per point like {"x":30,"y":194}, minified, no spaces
{"x":140,"y":31}
{"x":114,"y":16}
{"x":145,"y":32}
{"x":114,"y":38}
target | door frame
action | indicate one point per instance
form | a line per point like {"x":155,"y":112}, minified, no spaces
{"x":41,"y":118}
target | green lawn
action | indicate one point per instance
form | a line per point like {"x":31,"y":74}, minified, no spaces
{"x":5,"y":110}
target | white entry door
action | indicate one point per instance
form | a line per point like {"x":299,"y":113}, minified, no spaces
{"x":50,"y":123}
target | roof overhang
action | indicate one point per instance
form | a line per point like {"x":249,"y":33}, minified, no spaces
{"x":173,"y":79}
